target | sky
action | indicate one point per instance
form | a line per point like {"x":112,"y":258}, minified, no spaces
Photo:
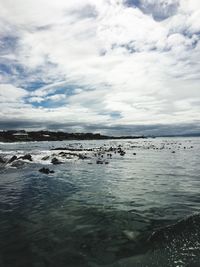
{"x":109,"y":66}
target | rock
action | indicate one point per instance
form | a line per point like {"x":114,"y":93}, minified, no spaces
{"x":18,"y":164}
{"x":193,"y":265}
{"x":55,"y":161}
{"x":63,"y":154}
{"x":45,"y":170}
{"x":68,"y":155}
{"x":81,"y":156}
{"x":122,"y":153}
{"x":187,"y":227}
{"x":131,"y":235}
{"x":173,"y":152}
{"x":27,"y":157}
{"x":119,"y":150}
{"x":45,"y":158}
{"x":134,"y":154}
{"x":99,"y":162}
{"x":12,"y":159}
{"x":2,"y":161}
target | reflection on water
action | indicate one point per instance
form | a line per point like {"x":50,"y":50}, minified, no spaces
{"x":102,"y":215}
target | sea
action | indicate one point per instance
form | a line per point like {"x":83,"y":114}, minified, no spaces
{"x":137,"y":209}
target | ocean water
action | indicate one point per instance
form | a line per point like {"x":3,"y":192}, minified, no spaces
{"x":110,"y":214}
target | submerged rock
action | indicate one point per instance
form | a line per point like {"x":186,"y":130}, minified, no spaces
{"x":45,"y":170}
{"x":18,"y":163}
{"x":131,"y":235}
{"x":55,"y":161}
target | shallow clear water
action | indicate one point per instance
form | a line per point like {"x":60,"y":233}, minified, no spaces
{"x":87,"y":214}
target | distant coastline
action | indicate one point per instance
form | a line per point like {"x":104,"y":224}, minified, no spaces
{"x":181,"y":135}
{"x":30,"y":136}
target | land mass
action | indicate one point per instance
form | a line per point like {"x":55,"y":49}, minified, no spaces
{"x":28,"y":136}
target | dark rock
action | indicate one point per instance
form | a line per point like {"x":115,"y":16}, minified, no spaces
{"x":2,"y":161}
{"x":12,"y":159}
{"x":182,"y":227}
{"x":27,"y":157}
{"x":193,"y":264}
{"x":134,"y":154}
{"x":99,"y":162}
{"x":62,"y":153}
{"x":119,"y":150}
{"x":55,"y":161}
{"x":45,"y":170}
{"x":81,"y":156}
{"x":122,"y":153}
{"x":45,"y":158}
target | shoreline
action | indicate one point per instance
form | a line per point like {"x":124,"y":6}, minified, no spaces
{"x":39,"y":136}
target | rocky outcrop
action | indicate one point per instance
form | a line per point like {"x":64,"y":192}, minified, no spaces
{"x":55,"y":161}
{"x":27,"y":157}
{"x":13,"y":158}
{"x":45,"y":170}
{"x":184,"y":226}
{"x":18,"y":163}
{"x":2,"y":161}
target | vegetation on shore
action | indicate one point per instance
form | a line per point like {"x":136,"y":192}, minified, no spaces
{"x":25,"y":136}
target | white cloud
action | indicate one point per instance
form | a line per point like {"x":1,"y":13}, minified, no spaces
{"x":10,"y":93}
{"x":140,"y":62}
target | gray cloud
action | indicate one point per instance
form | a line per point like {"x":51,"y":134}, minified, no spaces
{"x":160,"y":10}
{"x":107,"y":64}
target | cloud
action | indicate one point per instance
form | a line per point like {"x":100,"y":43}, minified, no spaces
{"x":114,"y":62}
{"x":160,"y":10}
{"x":11,"y":94}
